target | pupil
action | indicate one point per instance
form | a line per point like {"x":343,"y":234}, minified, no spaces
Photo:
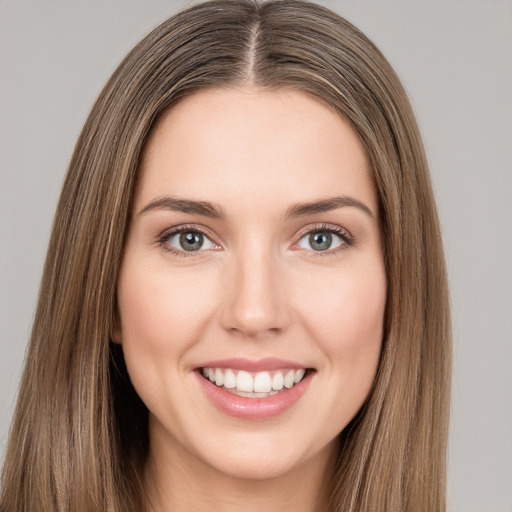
{"x":321,"y":240}
{"x":191,"y":241}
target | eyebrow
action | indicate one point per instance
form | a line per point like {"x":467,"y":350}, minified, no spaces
{"x":205,"y":208}
{"x":325,"y":205}
{"x":214,"y":210}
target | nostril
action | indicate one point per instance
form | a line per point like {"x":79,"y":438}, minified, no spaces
{"x":256,"y":307}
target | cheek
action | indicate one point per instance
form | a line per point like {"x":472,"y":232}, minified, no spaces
{"x":346,"y":317}
{"x":162,"y":314}
{"x":161,"y":309}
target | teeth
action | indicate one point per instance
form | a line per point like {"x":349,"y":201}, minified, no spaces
{"x":244,"y":381}
{"x":262,"y":382}
{"x":298,"y":375}
{"x":289,"y":380}
{"x":254,"y":385}
{"x":278,"y":381}
{"x":219,"y":377}
{"x":229,"y":379}
{"x":253,"y":395}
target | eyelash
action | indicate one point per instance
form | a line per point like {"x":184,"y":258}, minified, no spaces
{"x":347,"y":239}
{"x":167,"y":235}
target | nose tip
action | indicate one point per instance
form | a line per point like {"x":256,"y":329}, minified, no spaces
{"x":256,"y":302}
{"x":254,"y":331}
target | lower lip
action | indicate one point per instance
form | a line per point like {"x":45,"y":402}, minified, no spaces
{"x":254,"y":408}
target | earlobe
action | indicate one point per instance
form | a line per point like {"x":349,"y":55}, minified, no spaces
{"x":116,"y":334}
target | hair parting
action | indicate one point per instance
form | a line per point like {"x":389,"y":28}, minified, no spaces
{"x":79,"y":438}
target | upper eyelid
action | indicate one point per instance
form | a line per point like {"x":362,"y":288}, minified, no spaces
{"x":214,"y":238}
{"x":186,"y":227}
{"x":169,"y":233}
{"x":324,"y":227}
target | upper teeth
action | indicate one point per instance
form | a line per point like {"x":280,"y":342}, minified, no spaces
{"x":260,"y":382}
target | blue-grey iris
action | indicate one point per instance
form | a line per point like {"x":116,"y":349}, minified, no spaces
{"x":191,"y":241}
{"x":320,"y":240}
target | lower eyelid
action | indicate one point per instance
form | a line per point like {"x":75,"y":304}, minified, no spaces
{"x":206,"y":241}
{"x":342,"y":242}
{"x":345,"y":240}
{"x":164,"y":239}
{"x":341,"y":233}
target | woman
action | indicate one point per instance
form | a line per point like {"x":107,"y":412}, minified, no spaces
{"x":244,"y":301}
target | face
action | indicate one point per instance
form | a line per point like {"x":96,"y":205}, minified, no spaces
{"x":253,"y":260}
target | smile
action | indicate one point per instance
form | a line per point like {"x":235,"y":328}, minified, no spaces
{"x":254,"y":390}
{"x":253,"y":384}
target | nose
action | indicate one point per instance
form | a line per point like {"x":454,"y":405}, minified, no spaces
{"x":255,"y":304}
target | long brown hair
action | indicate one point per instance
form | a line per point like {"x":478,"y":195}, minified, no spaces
{"x":79,"y":437}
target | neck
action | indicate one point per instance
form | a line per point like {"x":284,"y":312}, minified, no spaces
{"x":181,"y":482}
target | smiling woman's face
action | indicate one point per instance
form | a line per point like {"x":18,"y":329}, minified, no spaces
{"x":253,"y":257}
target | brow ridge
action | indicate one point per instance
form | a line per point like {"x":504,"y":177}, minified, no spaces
{"x":214,"y":210}
{"x":325,"y":205}
{"x":184,"y":206}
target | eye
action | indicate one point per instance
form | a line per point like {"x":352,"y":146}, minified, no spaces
{"x":187,"y":240}
{"x":323,"y":240}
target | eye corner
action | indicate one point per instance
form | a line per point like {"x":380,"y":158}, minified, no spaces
{"x":172,"y":241}
{"x":331,"y":234}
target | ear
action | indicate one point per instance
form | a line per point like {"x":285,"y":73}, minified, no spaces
{"x":116,"y":334}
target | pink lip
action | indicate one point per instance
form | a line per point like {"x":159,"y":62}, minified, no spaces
{"x":268,"y":363}
{"x":254,"y":408}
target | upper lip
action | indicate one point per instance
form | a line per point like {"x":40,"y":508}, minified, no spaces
{"x":240,"y":363}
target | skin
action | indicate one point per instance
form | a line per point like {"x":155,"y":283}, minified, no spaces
{"x":257,"y":290}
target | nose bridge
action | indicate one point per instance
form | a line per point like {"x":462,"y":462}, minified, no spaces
{"x":255,"y":303}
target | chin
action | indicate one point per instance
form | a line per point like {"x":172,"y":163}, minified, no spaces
{"x":259,"y":467}
{"x":266,"y":457}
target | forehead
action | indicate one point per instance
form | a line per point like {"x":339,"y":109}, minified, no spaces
{"x":248,"y":146}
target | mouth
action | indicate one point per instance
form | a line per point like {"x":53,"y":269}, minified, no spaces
{"x":254,"y":390}
{"x":260,"y":384}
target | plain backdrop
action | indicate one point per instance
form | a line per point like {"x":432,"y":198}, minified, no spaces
{"x":455,"y":59}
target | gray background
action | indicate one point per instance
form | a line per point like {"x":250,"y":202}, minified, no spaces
{"x":455,"y":59}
